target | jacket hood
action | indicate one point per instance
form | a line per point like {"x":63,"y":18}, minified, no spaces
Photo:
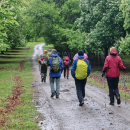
{"x":54,"y":55}
{"x":45,"y":52}
{"x":114,"y":53}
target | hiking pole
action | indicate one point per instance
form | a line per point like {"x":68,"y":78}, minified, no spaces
{"x":104,"y":88}
{"x":124,"y":87}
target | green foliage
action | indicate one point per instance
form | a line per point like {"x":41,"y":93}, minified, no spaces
{"x":12,"y":32}
{"x":125,"y":7}
{"x":125,"y":45}
{"x":125,"y":42}
{"x":103,"y":22}
{"x":52,"y":19}
{"x":4,"y":47}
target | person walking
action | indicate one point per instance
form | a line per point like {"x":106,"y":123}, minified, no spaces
{"x":56,"y":65}
{"x":80,"y":70}
{"x":66,"y":61}
{"x":76,"y":56}
{"x":111,"y":66}
{"x":43,"y":59}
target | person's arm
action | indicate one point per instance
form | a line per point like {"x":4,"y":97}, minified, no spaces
{"x":49,"y":61}
{"x":89,"y":68}
{"x":73,"y":68}
{"x":105,"y":65}
{"x":121,"y":64}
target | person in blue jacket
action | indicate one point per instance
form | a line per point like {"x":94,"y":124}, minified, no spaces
{"x":55,"y":75}
{"x":80,"y":84}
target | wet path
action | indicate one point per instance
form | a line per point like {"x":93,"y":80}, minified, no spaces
{"x":65,"y":114}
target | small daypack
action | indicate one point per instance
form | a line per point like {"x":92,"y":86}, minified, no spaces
{"x":43,"y":60}
{"x":55,"y":65}
{"x":81,"y":70}
{"x":66,"y":60}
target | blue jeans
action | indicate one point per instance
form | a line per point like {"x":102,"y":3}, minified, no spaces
{"x":57,"y":85}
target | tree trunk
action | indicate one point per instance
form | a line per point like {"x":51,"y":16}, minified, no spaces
{"x":106,"y":52}
{"x":36,"y":39}
{"x":100,"y":59}
{"x":2,"y":52}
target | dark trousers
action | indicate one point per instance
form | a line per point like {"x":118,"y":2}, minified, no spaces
{"x":80,"y":88}
{"x":44,"y":72}
{"x":66,"y":69}
{"x":113,"y":88}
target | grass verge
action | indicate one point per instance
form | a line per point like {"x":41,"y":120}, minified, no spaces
{"x":22,"y":117}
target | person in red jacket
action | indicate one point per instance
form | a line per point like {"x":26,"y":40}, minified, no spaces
{"x":111,"y":66}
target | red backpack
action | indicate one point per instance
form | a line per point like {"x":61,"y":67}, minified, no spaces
{"x":66,"y":60}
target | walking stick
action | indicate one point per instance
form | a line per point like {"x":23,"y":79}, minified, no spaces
{"x":124,"y":87}
{"x":104,"y":88}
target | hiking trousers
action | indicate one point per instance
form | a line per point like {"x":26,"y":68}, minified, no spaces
{"x":66,"y":70}
{"x":113,"y":88}
{"x":80,"y":88}
{"x":44,"y":72}
{"x":53,"y":90}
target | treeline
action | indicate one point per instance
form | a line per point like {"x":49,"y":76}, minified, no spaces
{"x":91,"y":25}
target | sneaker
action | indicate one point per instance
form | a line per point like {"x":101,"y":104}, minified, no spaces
{"x":118,"y":100}
{"x":111,"y":103}
{"x":53,"y":94}
{"x":57,"y":96}
{"x":81,"y":103}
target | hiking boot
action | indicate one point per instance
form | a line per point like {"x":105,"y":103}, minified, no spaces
{"x":111,"y":103}
{"x":118,"y":100}
{"x":81,"y":103}
{"x":53,"y":94}
{"x":57,"y":96}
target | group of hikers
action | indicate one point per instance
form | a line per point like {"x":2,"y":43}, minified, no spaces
{"x":80,"y":70}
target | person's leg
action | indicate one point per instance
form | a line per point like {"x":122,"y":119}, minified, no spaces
{"x":111,"y":93}
{"x":57,"y":87}
{"x":42,"y":77}
{"x":83,"y":87}
{"x":116,"y":90}
{"x":52,"y":85}
{"x":79,"y":90}
{"x":45,"y":74}
{"x":64,"y":72}
{"x":67,"y":72}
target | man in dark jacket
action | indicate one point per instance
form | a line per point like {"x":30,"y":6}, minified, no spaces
{"x":77,"y":70}
{"x":55,"y":74}
{"x":111,"y":67}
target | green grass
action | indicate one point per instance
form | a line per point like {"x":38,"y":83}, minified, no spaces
{"x":22,"y":118}
{"x":48,"y":47}
{"x":125,"y":58}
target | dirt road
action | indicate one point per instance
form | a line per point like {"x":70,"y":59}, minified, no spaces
{"x":66,"y":114}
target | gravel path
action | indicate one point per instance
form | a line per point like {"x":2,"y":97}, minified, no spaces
{"x":66,"y":114}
